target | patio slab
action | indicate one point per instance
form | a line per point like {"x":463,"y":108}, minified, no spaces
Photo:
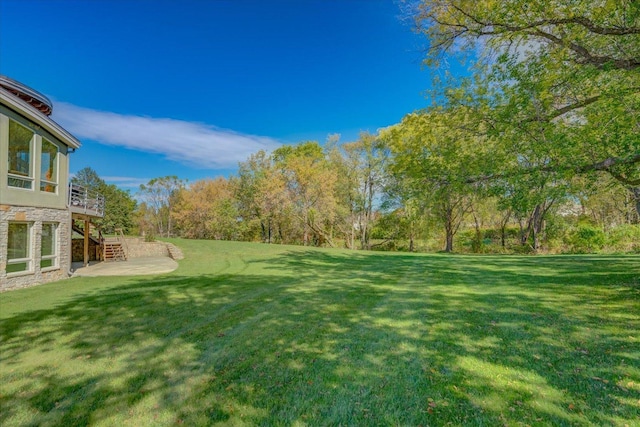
{"x":132,"y":267}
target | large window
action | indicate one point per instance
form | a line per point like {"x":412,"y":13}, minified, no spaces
{"x":48,"y":249}
{"x":19,"y":247}
{"x":49,"y":167}
{"x":20,"y":156}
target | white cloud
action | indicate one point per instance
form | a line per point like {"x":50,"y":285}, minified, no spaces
{"x":126,"y":181}
{"x":193,"y":144}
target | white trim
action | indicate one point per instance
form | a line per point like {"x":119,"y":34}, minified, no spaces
{"x":55,"y":257}
{"x":54,"y":182}
{"x":29,"y":259}
{"x":23,"y":108}
{"x":33,"y":147}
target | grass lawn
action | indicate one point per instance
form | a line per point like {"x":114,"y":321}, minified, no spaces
{"x":252,"y":334}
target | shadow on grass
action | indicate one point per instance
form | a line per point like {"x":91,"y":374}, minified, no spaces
{"x":335,"y":338}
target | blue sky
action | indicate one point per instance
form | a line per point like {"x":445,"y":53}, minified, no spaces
{"x":191,"y":87}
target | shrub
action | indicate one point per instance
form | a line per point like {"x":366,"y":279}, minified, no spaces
{"x":624,"y":238}
{"x":586,"y":239}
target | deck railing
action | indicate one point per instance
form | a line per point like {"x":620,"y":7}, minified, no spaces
{"x":84,"y":201}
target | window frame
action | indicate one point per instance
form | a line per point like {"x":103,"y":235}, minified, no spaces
{"x":54,"y":257}
{"x":44,"y":183}
{"x":29,"y":259}
{"x":30,"y":178}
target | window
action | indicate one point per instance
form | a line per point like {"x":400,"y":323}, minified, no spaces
{"x":48,"y":249}
{"x":49,"y":167}
{"x":20,"y":158}
{"x":19,"y":247}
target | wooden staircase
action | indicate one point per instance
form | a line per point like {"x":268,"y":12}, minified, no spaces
{"x":114,"y":248}
{"x":94,"y":234}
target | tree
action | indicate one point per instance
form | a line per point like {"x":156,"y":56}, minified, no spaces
{"x":261,"y":196}
{"x":366,"y":159}
{"x":207,"y":209}
{"x":404,"y":213}
{"x":432,"y":154}
{"x":159,"y":195}
{"x":119,"y":205}
{"x":567,"y":66}
{"x":310,"y":184}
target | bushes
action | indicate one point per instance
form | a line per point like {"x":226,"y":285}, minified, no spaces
{"x":624,"y":238}
{"x":561,"y":237}
{"x":586,"y":238}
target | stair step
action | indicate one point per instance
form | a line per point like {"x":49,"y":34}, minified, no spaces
{"x":113,"y":251}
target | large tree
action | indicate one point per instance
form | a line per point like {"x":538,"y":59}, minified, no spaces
{"x":261,"y":196}
{"x":207,"y":209}
{"x":311,"y":188}
{"x":564,"y":75}
{"x":367,"y":157}
{"x":432,"y":153}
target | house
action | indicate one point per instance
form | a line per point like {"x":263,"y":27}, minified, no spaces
{"x":37,"y":207}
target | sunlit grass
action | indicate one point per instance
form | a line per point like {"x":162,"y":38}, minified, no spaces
{"x":250,"y":334}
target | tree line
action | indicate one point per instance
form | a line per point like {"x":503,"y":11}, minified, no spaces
{"x":536,"y":148}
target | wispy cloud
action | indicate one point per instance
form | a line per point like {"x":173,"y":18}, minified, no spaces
{"x":193,"y":144}
{"x":126,"y":181}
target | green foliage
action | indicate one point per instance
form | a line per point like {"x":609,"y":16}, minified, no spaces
{"x":149,"y":236}
{"x":159,"y":197}
{"x":586,"y":239}
{"x":624,"y":238}
{"x":119,"y":205}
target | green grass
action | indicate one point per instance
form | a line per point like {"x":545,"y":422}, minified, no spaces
{"x":251,"y":334}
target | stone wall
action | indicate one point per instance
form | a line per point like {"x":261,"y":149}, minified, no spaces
{"x":35,"y":217}
{"x":137,"y":248}
{"x":77,"y":248}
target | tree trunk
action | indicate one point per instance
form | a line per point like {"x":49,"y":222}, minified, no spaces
{"x":412,"y":246}
{"x":263,"y":230}
{"x":536,"y":227}
{"x":449,"y":230}
{"x":635,"y":192}
{"x":305,"y":230}
{"x":449,"y":241}
{"x":477,"y":241}
{"x":503,"y":228}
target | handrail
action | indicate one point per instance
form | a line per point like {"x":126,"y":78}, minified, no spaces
{"x":101,"y":245}
{"x":86,"y":201}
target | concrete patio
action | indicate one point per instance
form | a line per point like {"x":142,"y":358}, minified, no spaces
{"x":132,"y":267}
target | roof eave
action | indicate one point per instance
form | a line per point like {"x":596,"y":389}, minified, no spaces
{"x":26,"y":110}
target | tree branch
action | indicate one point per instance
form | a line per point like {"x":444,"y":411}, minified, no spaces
{"x":488,"y":28}
{"x":605,"y":165}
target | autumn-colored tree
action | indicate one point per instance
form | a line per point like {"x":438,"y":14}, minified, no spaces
{"x":310,"y":184}
{"x":262,"y":197}
{"x":207,"y":209}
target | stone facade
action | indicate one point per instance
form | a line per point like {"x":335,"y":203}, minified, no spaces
{"x":77,"y":248}
{"x":35,"y":217}
{"x":138,"y":248}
